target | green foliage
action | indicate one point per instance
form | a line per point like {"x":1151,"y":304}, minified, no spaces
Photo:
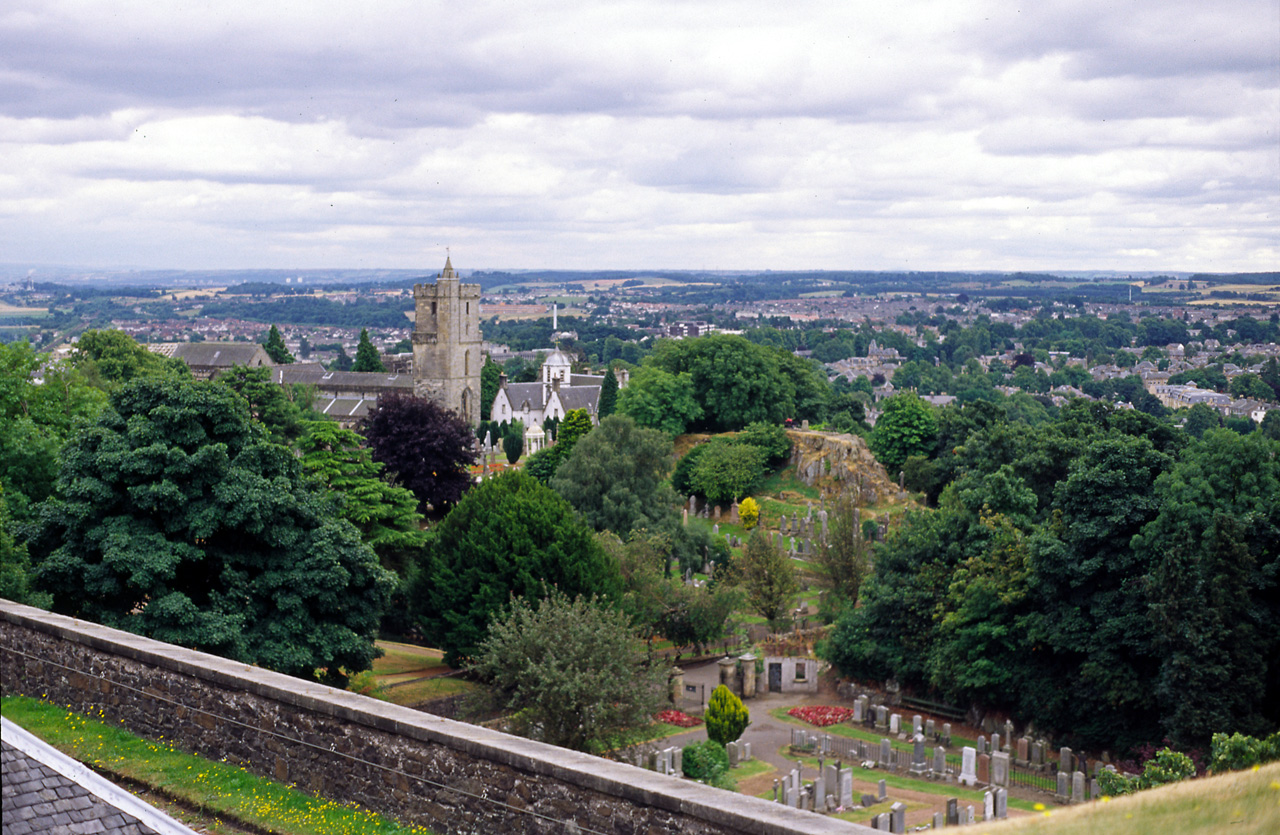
{"x":907,"y":427}
{"x":769,"y":437}
{"x":1250,"y":386}
{"x":1238,"y":751}
{"x":367,"y":356}
{"x":570,"y":669}
{"x":178,"y":519}
{"x":844,"y":560}
{"x":705,"y":761}
{"x":1201,"y":417}
{"x":508,"y":536}
{"x":767,"y":578}
{"x":726,"y":471}
{"x":749,"y":512}
{"x":281,"y":409}
{"x":726,"y":716}
{"x":275,"y":347}
{"x":616,"y":477}
{"x":682,"y":478}
{"x":660,"y":400}
{"x":15,"y":564}
{"x":608,"y":395}
{"x":109,"y":359}
{"x":543,"y":464}
{"x":387,"y":516}
{"x":490,"y":378}
{"x":576,"y":425}
{"x":1114,"y":784}
{"x":513,"y":441}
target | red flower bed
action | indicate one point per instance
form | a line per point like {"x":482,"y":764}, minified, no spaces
{"x":678,"y":718}
{"x":821,"y":715}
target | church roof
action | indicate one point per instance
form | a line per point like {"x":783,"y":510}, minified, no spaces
{"x":558,"y":357}
{"x":579,"y":397}
{"x":518,"y":393}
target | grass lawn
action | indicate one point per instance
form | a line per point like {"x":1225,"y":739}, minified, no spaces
{"x":853,"y":732}
{"x":427,"y":689}
{"x":751,"y":768}
{"x":218,"y":788}
{"x":404,"y":658}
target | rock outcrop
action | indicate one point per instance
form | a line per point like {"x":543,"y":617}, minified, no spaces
{"x":838,"y":463}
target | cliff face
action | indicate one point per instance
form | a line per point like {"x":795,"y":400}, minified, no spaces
{"x":836,"y":463}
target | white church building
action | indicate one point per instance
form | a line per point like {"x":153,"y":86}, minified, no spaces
{"x":559,"y":392}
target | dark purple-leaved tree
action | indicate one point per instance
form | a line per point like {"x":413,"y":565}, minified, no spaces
{"x":427,"y":447}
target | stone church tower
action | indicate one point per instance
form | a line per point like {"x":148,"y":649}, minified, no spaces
{"x":446,"y":343}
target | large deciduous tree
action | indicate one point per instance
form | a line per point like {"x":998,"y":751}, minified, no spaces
{"x":767,"y":578}
{"x":177,"y":518}
{"x":659,"y":399}
{"x":112,"y":358}
{"x":616,"y":477}
{"x":907,"y":427}
{"x":571,"y":670}
{"x":508,"y":536}
{"x":426,"y":447}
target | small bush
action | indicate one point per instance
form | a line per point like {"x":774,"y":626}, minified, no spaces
{"x":749,"y":513}
{"x":1236,"y":752}
{"x":1113,"y":784}
{"x":1168,"y":766}
{"x":705,"y":761}
{"x":726,"y":716}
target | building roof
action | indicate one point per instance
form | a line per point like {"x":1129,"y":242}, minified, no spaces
{"x":347,"y":380}
{"x":46,"y":791}
{"x":518,"y":393}
{"x":344,"y":408}
{"x":214,"y":354}
{"x":596,"y":380}
{"x":579,"y":397}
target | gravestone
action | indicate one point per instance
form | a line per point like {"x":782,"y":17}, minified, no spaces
{"x":819,"y":793}
{"x":940,"y":761}
{"x":882,"y":717}
{"x":715,"y":529}
{"x":1002,"y":804}
{"x":982,"y":744}
{"x":782,"y":524}
{"x":995,"y":743}
{"x":938,"y":820}
{"x":822,"y":517}
{"x":930,"y":729}
{"x":717,"y":513}
{"x":984,"y":769}
{"x":917,"y":725}
{"x":886,"y":751}
{"x":678,"y":754}
{"x":1064,"y":786}
{"x":745,"y":750}
{"x":1024,"y":750}
{"x":1037,"y":754}
{"x":895,"y":723}
{"x":1065,"y":761}
{"x":919,"y":762}
{"x":1000,"y":768}
{"x":880,"y":791}
{"x":969,"y":816}
{"x":968,"y":766}
{"x":731,"y":748}
{"x":953,"y":812}
{"x":733,"y":513}
{"x":946,"y":734}
{"x":1077,"y":787}
{"x":868,"y":800}
{"x":859,"y":710}
{"x":684,"y":516}
{"x":898,"y":821}
{"x":988,"y":806}
{"x":845,"y":792}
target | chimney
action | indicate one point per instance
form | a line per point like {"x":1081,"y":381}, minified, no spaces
{"x":502,"y":380}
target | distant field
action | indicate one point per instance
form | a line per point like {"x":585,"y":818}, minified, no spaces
{"x":197,"y":292}
{"x":8,"y":310}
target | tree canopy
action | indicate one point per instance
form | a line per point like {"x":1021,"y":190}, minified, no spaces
{"x":426,"y":447}
{"x":508,"y":536}
{"x":275,"y":347}
{"x":177,"y":518}
{"x":367,"y":356}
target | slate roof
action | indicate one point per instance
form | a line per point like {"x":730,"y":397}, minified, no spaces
{"x":518,"y":393}
{"x":343,"y":380}
{"x":214,"y":354}
{"x":579,"y":397}
{"x":45,"y":791}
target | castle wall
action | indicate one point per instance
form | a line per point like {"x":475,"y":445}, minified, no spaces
{"x":416,"y":767}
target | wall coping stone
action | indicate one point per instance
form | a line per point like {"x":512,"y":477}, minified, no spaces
{"x":628,"y":782}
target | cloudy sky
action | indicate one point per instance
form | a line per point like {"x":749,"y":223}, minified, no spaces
{"x":1067,"y":134}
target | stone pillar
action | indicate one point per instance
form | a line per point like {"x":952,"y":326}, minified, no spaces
{"x":727,"y":671}
{"x":748,"y":675}
{"x":675,"y":686}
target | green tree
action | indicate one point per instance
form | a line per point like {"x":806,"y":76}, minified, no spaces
{"x":15,"y":564}
{"x":341,"y":362}
{"x":769,"y":437}
{"x":660,"y":400}
{"x":608,"y":395}
{"x":269,"y":403}
{"x":907,"y":427}
{"x":367,"y":356}
{"x":178,"y":519}
{"x":576,"y":425}
{"x":275,"y":347}
{"x":110,"y":359}
{"x":386,"y":516}
{"x":570,"y":670}
{"x":490,"y":379}
{"x":616,"y":477}
{"x":513,"y":441}
{"x":1251,"y":386}
{"x":1201,"y":417}
{"x":726,"y":471}
{"x":508,"y":536}
{"x":844,"y":559}
{"x":767,"y":578}
{"x":726,"y":716}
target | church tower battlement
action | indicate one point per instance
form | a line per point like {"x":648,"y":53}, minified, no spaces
{"x":447,"y":348}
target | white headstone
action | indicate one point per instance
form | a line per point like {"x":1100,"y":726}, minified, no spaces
{"x":968,"y":766}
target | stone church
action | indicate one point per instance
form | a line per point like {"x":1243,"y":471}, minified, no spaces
{"x":447,"y":349}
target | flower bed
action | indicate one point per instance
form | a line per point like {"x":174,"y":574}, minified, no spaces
{"x":821,"y":715}
{"x":678,"y":718}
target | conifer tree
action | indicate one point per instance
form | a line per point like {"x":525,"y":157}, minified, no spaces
{"x":275,"y":347}
{"x":367,"y":358}
{"x":608,"y":395}
{"x":726,"y":716}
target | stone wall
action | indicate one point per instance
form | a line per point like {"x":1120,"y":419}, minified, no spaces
{"x":419,"y":768}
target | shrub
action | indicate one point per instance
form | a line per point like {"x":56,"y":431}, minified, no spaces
{"x":1236,"y":752}
{"x":726,"y":716}
{"x":706,"y":761}
{"x":1168,"y":766}
{"x":749,"y":512}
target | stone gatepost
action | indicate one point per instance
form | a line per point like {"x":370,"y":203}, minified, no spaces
{"x":727,"y":671}
{"x":675,"y":686}
{"x":748,"y":675}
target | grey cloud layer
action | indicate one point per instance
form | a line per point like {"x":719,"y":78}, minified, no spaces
{"x":681,"y":134}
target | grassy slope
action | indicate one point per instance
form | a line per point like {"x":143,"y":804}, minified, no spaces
{"x":1242,"y":803}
